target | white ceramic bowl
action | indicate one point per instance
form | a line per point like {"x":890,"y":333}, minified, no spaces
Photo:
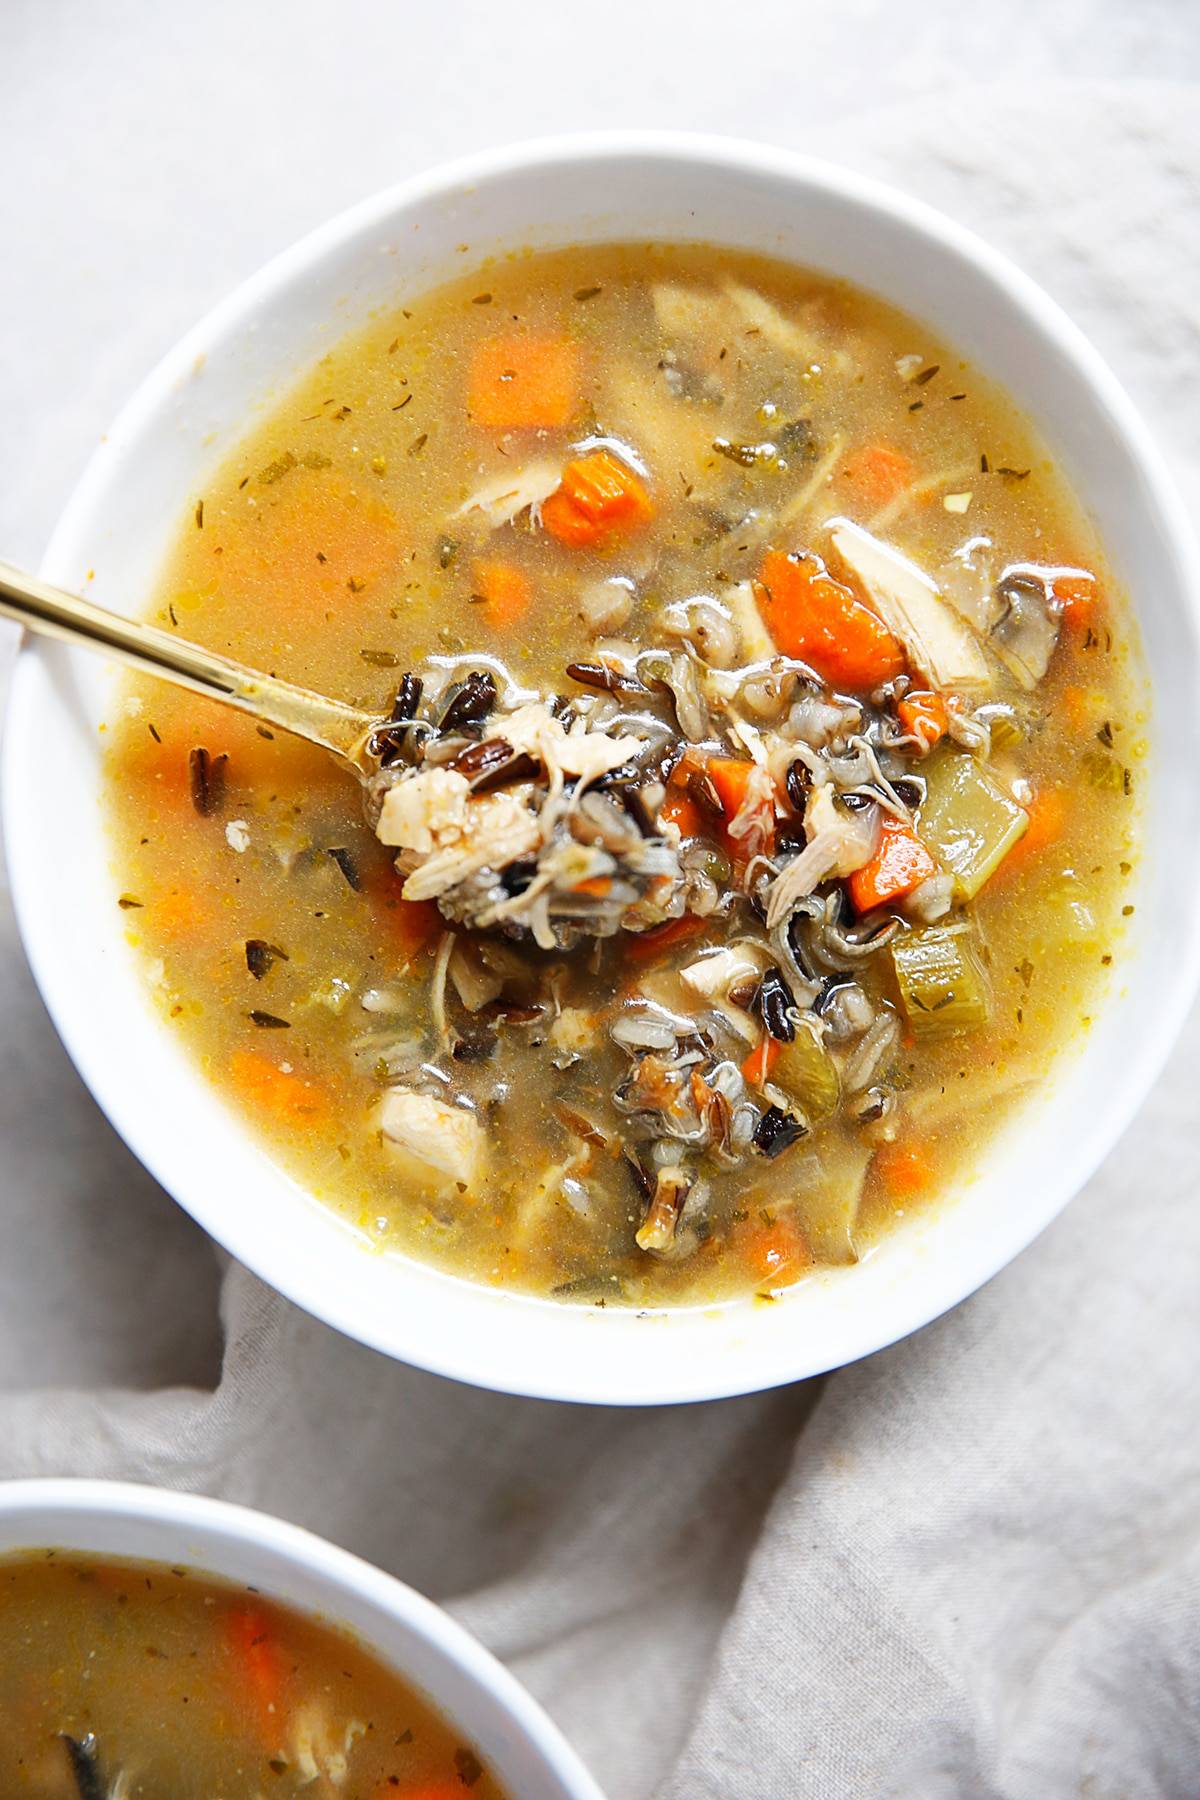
{"x":461,"y":1679}
{"x":153,"y":463}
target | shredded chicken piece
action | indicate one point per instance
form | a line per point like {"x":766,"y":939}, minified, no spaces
{"x":657,"y":1230}
{"x":838,"y":843}
{"x":606,"y":605}
{"x":318,"y":1755}
{"x":751,"y":740}
{"x":574,"y":1031}
{"x":437,"y":989}
{"x":682,"y":312}
{"x":795,"y":508}
{"x":673,"y":433}
{"x":474,"y":984}
{"x":752,"y":825}
{"x":553,"y":1181}
{"x":445,"y":1138}
{"x":713,"y":975}
{"x":930,"y":900}
{"x":577,"y":752}
{"x":496,"y":830}
{"x":757,"y":643}
{"x":919,"y":490}
{"x":937,"y":639}
{"x":763,"y":316}
{"x":501,"y":501}
{"x":425,"y":812}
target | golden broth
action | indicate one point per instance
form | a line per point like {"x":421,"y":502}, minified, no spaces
{"x":167,"y":1682}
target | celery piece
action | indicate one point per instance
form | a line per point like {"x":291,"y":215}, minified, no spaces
{"x":1103,"y":772}
{"x":942,"y":986}
{"x":968,"y":821}
{"x":1070,"y":923}
{"x":805,"y":1070}
{"x":828,"y":1189}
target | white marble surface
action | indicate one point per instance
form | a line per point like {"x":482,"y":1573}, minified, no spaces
{"x":154,"y":154}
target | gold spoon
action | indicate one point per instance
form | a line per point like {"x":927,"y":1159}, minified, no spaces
{"x":345,"y":730}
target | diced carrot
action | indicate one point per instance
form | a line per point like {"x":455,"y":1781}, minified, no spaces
{"x":680,"y":809}
{"x":813,"y":617}
{"x":179,"y":913}
{"x":523,"y":382}
{"x":449,"y":1789}
{"x":408,"y":926}
{"x":1048,"y":812}
{"x":924,"y":717}
{"x":285,"y":1096}
{"x":1075,"y":706}
{"x":597,"y":887}
{"x":504,"y":589}
{"x":730,"y":776}
{"x":313,"y":545}
{"x":900,"y":863}
{"x":159,"y":774}
{"x":762,"y":1059}
{"x":904,"y":1168}
{"x":259,"y":1670}
{"x":776,"y":1252}
{"x":1078,"y":594}
{"x":880,"y":472}
{"x":598,"y":497}
{"x":644,"y":946}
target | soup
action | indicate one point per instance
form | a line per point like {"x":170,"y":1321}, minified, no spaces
{"x":120,"y":1680}
{"x":757,"y":808}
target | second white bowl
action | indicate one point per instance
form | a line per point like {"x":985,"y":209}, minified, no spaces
{"x":408,"y":1633}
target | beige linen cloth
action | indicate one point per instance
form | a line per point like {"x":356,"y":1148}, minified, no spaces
{"x":967,"y":1567}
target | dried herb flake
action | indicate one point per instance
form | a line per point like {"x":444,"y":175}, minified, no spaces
{"x":206,"y":776}
{"x":348,"y":866}
{"x":261,"y":957}
{"x":468,"y":1765}
{"x":275,"y":471}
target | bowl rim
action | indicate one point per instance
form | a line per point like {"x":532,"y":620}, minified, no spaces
{"x":79,"y":1498}
{"x":1038,"y":314}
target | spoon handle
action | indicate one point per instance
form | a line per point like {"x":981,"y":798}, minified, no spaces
{"x":51,"y":610}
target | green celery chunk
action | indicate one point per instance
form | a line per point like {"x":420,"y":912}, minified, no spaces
{"x":1070,"y":921}
{"x":827,"y":1187}
{"x":968,"y":821}
{"x":943,"y":989}
{"x":805,"y":1070}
